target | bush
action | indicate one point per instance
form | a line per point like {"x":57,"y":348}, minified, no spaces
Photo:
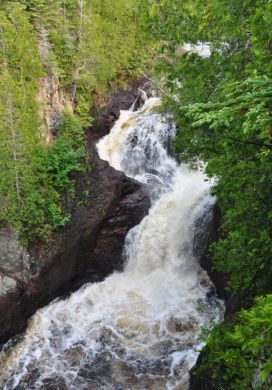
{"x":239,"y":354}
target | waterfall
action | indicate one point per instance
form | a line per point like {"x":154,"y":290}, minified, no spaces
{"x":140,"y":328}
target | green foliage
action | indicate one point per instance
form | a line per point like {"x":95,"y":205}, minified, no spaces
{"x":31,"y":175}
{"x":239,"y":34}
{"x":20,"y":68}
{"x":87,"y":43}
{"x":58,"y":164}
{"x":239,"y":354}
{"x":222,"y":105}
{"x":38,"y":210}
{"x":61,"y":161}
{"x":234,"y":136}
{"x":69,"y":128}
{"x":81,"y":45}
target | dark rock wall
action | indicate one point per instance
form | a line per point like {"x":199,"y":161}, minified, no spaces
{"x":90,"y":246}
{"x":207,"y":231}
{"x":207,"y":228}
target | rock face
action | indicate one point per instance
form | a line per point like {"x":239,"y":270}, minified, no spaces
{"x":87,"y":249}
{"x":114,"y":101}
{"x":52,"y":97}
{"x":207,"y":231}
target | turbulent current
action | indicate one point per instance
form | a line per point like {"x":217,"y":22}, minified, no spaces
{"x":140,"y":328}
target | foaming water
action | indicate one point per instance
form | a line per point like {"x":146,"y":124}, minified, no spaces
{"x":139,"y":329}
{"x":138,"y":145}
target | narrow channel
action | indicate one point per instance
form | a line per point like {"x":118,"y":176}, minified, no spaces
{"x":140,"y":328}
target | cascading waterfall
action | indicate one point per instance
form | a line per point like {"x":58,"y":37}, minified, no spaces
{"x":139,"y":329}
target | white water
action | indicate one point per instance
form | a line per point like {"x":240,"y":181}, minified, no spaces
{"x":138,"y":329}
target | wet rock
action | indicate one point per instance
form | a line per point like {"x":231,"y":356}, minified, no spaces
{"x":14,"y":262}
{"x":115,"y":100}
{"x":53,"y":384}
{"x":7,"y":284}
{"x":13,"y":257}
{"x":207,"y":231}
{"x":88,"y":248}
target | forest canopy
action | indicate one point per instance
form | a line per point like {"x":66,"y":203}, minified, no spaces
{"x":222,"y":104}
{"x":78,"y":46}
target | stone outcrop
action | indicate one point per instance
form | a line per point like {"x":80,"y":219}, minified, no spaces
{"x":88,"y":248}
{"x":207,"y":231}
{"x":52,"y":97}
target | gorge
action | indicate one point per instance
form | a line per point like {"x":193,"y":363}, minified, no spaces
{"x":135,"y":194}
{"x":139,"y":328}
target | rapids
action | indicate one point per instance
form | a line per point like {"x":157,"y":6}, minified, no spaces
{"x":140,"y":328}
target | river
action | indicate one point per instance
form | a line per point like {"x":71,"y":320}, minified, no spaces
{"x":140,"y":328}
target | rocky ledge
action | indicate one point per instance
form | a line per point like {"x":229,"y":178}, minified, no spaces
{"x":88,"y":248}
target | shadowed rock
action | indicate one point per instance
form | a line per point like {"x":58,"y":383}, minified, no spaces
{"x":88,"y":248}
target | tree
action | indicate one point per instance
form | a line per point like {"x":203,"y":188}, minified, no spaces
{"x":238,"y":355}
{"x":222,"y":105}
{"x":69,"y":41}
{"x":29,"y":189}
{"x":19,"y":67}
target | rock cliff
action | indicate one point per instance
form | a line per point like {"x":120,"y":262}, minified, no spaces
{"x":88,"y":248}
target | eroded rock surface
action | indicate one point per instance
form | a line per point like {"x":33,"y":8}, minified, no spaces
{"x":87,"y":249}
